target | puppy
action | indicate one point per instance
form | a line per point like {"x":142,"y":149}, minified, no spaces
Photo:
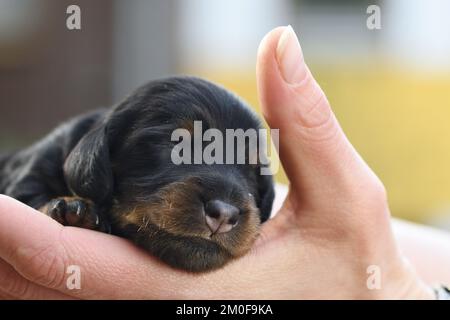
{"x":112,"y":170}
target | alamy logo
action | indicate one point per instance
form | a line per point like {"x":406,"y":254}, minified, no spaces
{"x":374,"y":19}
{"x":74,"y":279}
{"x":374,"y":279}
{"x":73,"y":22}
{"x":237,"y":147}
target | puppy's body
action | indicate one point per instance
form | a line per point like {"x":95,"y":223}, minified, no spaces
{"x":35,"y":175}
{"x":111,"y":170}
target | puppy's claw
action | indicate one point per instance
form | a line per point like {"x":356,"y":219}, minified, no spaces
{"x":76,"y":212}
{"x":57,"y":209}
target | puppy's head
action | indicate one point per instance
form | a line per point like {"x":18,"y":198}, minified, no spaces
{"x":197,"y":214}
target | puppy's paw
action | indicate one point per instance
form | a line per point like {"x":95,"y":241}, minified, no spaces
{"x":76,"y":212}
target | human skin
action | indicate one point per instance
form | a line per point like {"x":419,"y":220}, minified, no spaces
{"x":427,"y":249}
{"x":333,"y":225}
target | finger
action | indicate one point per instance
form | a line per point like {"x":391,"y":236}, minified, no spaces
{"x":14,"y":286}
{"x":29,"y":243}
{"x":317,"y":157}
{"x":41,"y":251}
{"x":113,"y":268}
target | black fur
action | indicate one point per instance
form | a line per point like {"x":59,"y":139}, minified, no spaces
{"x":118,"y":159}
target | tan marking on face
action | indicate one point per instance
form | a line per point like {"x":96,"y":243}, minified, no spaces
{"x":175,"y":210}
{"x":188,"y":125}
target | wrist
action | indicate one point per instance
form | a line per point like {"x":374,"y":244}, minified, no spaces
{"x":400,"y":282}
{"x":412,"y":287}
{"x":421,"y":292}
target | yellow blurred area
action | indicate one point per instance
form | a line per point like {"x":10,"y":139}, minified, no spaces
{"x":398,"y":121}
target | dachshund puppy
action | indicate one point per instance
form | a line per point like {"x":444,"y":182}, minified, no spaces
{"x":112,"y":170}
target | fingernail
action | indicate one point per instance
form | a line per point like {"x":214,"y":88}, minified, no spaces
{"x":290,"y":57}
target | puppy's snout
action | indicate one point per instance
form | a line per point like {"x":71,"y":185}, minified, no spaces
{"x":221,"y":216}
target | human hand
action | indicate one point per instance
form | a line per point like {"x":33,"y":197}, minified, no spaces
{"x":333,"y":225}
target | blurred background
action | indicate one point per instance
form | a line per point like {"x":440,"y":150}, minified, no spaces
{"x":389,"y":87}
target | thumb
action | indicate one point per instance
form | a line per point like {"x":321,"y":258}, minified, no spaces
{"x":314,"y":151}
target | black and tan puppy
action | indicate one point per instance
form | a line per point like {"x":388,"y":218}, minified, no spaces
{"x":112,"y":170}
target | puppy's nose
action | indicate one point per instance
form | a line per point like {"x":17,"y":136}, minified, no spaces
{"x":221,"y":216}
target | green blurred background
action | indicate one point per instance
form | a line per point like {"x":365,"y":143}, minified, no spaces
{"x":389,"y":87}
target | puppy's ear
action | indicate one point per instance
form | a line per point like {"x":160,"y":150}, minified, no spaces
{"x":87,"y":169}
{"x":266,"y":195}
